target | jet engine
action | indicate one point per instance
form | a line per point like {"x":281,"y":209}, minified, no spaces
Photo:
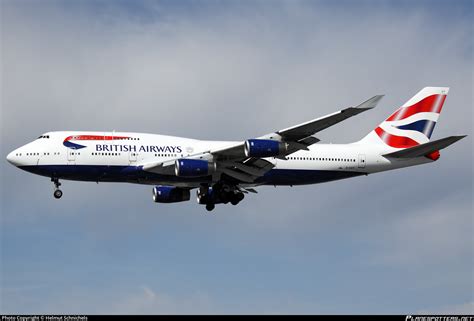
{"x":193,"y":167}
{"x":264,"y":148}
{"x":170,"y":194}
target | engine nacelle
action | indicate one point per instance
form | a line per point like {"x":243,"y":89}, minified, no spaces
{"x":170,"y":194}
{"x":194,"y":167}
{"x":264,"y":148}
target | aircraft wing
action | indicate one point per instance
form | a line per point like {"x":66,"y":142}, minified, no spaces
{"x":232,"y":160}
{"x":300,"y":136}
{"x":311,"y":127}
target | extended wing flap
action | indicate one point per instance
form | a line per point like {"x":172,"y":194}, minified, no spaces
{"x":241,"y":176}
{"x":258,"y":162}
{"x":252,"y":170}
{"x":425,"y":149}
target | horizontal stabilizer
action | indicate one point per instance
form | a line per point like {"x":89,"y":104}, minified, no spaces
{"x":425,"y":149}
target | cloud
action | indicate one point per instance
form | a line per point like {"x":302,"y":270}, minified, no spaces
{"x":461,"y":309}
{"x":434,"y":234}
{"x":201,"y":67}
{"x":150,"y":302}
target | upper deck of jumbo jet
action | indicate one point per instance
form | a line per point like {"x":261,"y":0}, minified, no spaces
{"x":76,"y":140}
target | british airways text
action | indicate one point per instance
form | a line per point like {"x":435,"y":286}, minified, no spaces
{"x":135,"y":148}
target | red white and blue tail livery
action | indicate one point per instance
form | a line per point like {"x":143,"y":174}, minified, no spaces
{"x":223,"y":172}
{"x":414,"y":122}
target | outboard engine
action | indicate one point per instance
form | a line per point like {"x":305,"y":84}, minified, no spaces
{"x":194,"y":167}
{"x":264,"y":148}
{"x":170,"y":194}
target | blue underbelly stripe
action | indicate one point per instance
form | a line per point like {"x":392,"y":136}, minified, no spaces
{"x":135,"y":174}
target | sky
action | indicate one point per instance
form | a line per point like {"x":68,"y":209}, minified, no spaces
{"x":396,"y":242}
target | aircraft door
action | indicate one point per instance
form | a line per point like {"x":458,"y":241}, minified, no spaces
{"x":71,"y":156}
{"x":132,"y":157}
{"x":361,"y":161}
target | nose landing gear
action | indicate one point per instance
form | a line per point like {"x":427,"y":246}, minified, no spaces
{"x":57,"y":192}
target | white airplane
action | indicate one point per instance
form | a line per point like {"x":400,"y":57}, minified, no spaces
{"x":222,"y":171}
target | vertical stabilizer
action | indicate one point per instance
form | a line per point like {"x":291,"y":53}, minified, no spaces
{"x":413,"y":123}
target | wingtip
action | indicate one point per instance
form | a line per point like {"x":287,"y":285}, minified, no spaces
{"x":377,"y":98}
{"x":370,"y":103}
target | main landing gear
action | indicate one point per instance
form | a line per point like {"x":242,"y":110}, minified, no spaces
{"x":57,"y":192}
{"x":218,"y":194}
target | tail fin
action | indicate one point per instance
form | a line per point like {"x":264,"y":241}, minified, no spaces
{"x":413,"y":123}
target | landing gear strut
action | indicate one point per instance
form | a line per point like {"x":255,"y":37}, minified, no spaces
{"x":57,"y":192}
{"x":218,"y":194}
{"x":203,"y":197}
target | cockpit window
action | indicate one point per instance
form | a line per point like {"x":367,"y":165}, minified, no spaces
{"x":43,"y":136}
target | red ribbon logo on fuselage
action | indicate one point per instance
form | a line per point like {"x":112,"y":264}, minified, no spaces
{"x":67,"y":142}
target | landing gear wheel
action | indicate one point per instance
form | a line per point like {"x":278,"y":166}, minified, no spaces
{"x":58,"y":193}
{"x":210,"y":207}
{"x":237,"y":198}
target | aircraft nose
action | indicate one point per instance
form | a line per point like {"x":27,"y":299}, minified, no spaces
{"x":11,"y":158}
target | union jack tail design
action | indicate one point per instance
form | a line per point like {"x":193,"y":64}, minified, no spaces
{"x":413,"y":123}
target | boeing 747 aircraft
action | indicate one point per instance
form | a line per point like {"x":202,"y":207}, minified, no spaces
{"x":223,"y":171}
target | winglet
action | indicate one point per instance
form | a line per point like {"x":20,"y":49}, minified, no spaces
{"x":370,"y":103}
